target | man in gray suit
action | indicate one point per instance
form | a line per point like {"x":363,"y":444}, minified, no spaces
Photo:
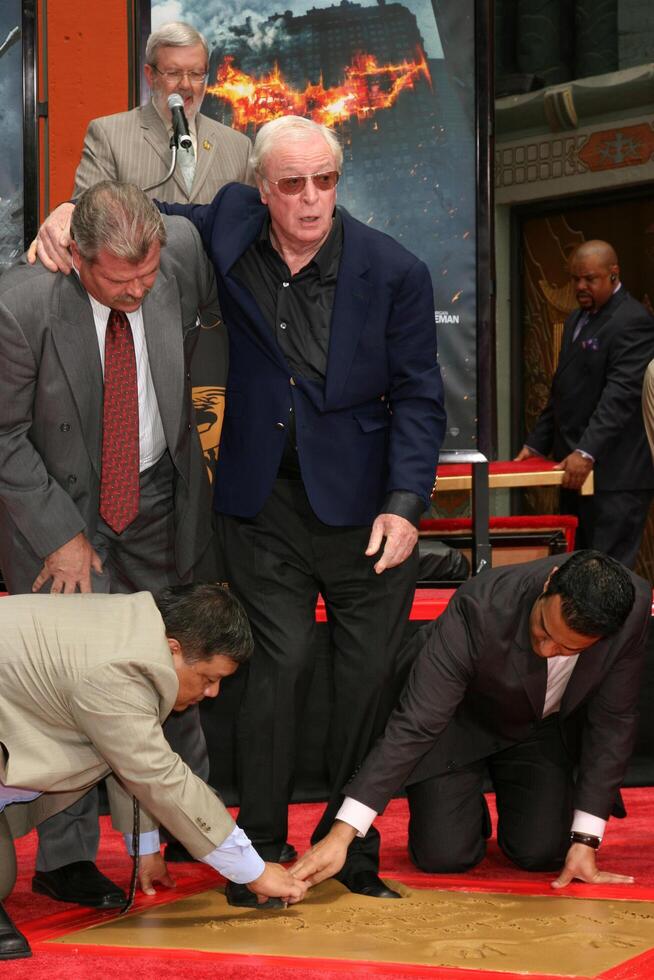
{"x":85,"y":682}
{"x":102,"y":482}
{"x":134,"y":145}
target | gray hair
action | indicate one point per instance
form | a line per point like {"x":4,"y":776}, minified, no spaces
{"x":291,"y":127}
{"x":118,"y":217}
{"x":173,"y":35}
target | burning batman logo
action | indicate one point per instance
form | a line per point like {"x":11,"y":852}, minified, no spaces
{"x":368,"y":87}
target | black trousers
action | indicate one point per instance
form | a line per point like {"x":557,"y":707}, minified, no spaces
{"x":533,"y":782}
{"x":611,"y":521}
{"x":277,"y":563}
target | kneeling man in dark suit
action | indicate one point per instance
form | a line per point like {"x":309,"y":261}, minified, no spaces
{"x":531,"y":675}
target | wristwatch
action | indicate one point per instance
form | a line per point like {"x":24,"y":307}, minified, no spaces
{"x":590,"y":840}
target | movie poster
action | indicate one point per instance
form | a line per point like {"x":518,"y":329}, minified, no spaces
{"x":11,"y":159}
{"x":396,"y":80}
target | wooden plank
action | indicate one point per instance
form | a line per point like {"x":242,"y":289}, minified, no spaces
{"x":546,"y":478}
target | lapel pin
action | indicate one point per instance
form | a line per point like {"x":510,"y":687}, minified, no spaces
{"x":207,"y":145}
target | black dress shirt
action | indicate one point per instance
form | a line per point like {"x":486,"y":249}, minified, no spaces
{"x":298,"y":309}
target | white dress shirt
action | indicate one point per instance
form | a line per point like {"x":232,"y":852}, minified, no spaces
{"x":235,"y":858}
{"x":152,"y":441}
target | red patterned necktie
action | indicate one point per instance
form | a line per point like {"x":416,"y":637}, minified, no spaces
{"x":119,"y":482}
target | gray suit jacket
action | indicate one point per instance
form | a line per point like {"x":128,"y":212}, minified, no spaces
{"x":477,"y":687}
{"x":51,"y":405}
{"x":85,"y":683}
{"x":133,"y":146}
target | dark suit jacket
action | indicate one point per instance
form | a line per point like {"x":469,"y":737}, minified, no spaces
{"x":51,"y":405}
{"x":378,"y":424}
{"x":595,"y":399}
{"x":477,"y":687}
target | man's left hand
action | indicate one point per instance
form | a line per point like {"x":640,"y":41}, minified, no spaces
{"x":576,"y":468}
{"x":152,"y":868}
{"x":400,"y":535}
{"x":580,"y":863}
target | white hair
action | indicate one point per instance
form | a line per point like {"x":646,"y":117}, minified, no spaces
{"x":173,"y":35}
{"x":291,"y":127}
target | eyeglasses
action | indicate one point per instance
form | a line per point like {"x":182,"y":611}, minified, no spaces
{"x":195,"y":77}
{"x":295,"y":185}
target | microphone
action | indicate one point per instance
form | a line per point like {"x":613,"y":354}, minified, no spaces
{"x":180,"y":126}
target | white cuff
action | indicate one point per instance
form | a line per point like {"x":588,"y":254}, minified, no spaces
{"x":358,"y":815}
{"x":236,"y":858}
{"x":148,"y":842}
{"x":586,"y":823}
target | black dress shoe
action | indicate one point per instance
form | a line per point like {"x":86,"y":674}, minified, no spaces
{"x":13,"y":945}
{"x":79,"y":882}
{"x":288,"y":854}
{"x":177,"y":853}
{"x":367,"y":883}
{"x":243,"y":898}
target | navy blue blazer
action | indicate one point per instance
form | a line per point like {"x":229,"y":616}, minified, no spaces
{"x":377,"y":423}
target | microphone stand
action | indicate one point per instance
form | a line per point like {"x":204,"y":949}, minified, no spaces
{"x":173,"y":162}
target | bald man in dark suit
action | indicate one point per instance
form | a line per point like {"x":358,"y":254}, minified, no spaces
{"x":592,"y":420}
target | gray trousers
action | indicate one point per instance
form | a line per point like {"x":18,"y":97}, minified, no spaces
{"x":139,"y":559}
{"x":7,"y":859}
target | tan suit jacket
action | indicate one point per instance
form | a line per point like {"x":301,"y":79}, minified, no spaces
{"x":85,"y":683}
{"x":133,"y":146}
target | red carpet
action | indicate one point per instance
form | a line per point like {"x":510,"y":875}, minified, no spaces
{"x":628,"y":849}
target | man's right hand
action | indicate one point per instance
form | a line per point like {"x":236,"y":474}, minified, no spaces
{"x":152,"y":868}
{"x":327,"y":857}
{"x":69,"y":567}
{"x":52,"y":242}
{"x":277,"y":882}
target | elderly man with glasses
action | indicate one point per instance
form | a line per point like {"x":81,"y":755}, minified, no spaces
{"x":332,"y":430}
{"x":134,"y":145}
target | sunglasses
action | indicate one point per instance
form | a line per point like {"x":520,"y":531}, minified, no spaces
{"x":295,"y":185}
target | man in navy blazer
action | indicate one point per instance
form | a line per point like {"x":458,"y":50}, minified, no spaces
{"x":331,"y":437}
{"x":592,"y":419}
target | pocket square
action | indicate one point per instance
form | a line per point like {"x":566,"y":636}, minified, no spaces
{"x":591,"y":343}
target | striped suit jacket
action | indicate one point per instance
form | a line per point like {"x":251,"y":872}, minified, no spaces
{"x":133,"y":146}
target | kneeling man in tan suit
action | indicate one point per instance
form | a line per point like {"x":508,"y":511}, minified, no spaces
{"x":85,"y":684}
